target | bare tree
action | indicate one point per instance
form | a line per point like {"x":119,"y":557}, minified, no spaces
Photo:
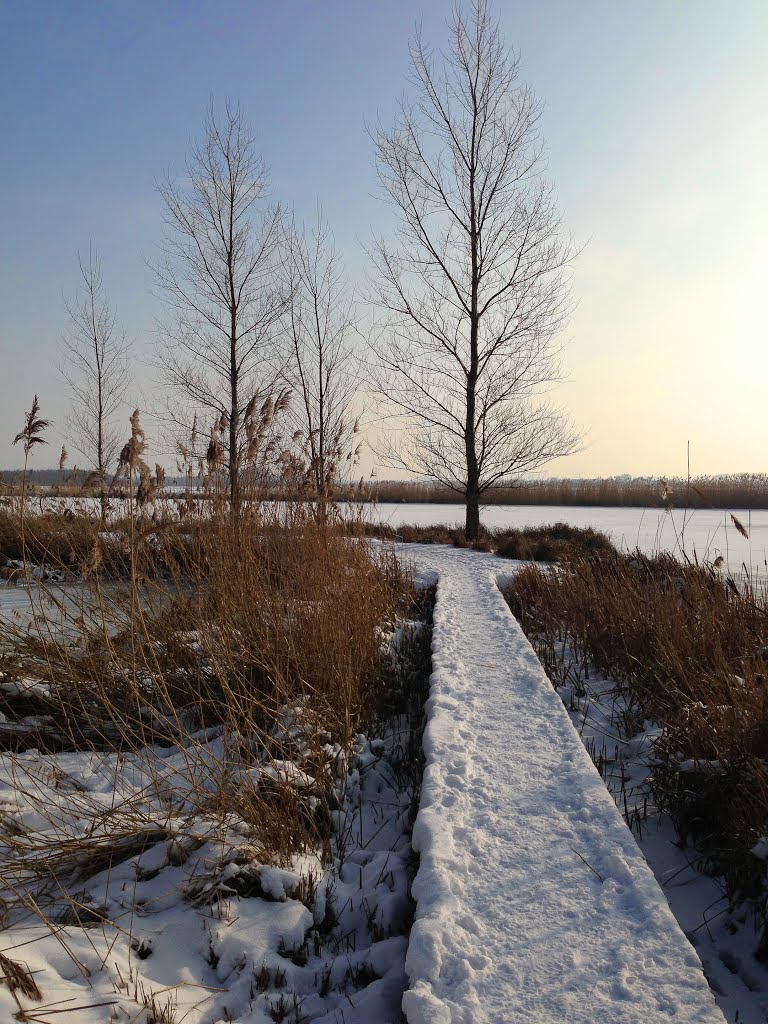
{"x":221,"y":277}
{"x":322,"y":370}
{"x":95,"y":366}
{"x":474,"y":292}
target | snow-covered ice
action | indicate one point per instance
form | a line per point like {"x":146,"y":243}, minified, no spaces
{"x":703,"y":533}
{"x":534,"y":902}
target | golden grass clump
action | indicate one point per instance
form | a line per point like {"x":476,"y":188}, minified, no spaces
{"x":297,"y":609}
{"x":549,"y":543}
{"x":57,"y":541}
{"x":265,"y":629}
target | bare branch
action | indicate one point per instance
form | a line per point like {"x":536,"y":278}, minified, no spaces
{"x":323,"y":370}
{"x":221,"y":279}
{"x":475,"y":292}
{"x":95,"y":366}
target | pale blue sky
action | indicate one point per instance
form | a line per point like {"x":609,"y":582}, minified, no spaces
{"x":656,"y":130}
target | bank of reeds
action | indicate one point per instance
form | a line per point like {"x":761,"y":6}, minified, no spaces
{"x":255,"y":653}
{"x":73,"y":545}
{"x":721,"y":491}
{"x":56,"y":540}
{"x":727,"y":491}
{"x":70,"y":545}
{"x":551,"y":543}
{"x":688,"y":648}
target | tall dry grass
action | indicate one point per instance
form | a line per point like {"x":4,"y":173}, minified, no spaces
{"x":212,"y":670}
{"x":732,"y":490}
{"x":721,"y":491}
{"x":551,"y":543}
{"x":688,"y":647}
{"x":250,"y":647}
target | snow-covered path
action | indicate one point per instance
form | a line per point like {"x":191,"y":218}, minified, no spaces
{"x":534,"y":902}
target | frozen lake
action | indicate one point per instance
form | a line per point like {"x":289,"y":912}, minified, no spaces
{"x":704,"y":533}
{"x":54,"y":609}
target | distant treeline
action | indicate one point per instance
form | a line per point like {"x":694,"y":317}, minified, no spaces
{"x":729,"y":491}
{"x":734,"y":490}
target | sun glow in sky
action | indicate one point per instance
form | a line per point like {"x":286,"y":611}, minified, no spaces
{"x":658,"y":147}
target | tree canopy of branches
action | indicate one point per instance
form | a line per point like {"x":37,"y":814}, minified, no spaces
{"x":321,"y":371}
{"x":220,"y":275}
{"x":95,"y":367}
{"x":474,"y":291}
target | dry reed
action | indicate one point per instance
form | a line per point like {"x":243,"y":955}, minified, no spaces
{"x":251,"y":646}
{"x":551,"y":543}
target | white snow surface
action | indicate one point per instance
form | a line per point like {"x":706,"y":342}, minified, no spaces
{"x":703,"y":533}
{"x":534,"y":902}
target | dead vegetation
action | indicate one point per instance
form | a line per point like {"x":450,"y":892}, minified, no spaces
{"x":726,"y":491}
{"x":212,"y":675}
{"x":552,"y":543}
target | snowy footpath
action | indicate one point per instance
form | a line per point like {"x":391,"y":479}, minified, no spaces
{"x":534,"y":902}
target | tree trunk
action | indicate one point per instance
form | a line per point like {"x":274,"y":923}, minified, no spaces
{"x":234,"y":472}
{"x":472,"y":524}
{"x":234,"y":415}
{"x":472,"y":527}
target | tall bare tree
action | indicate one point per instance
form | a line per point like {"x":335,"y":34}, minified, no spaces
{"x":474,"y":291}
{"x":95,"y":366}
{"x":322,"y":371}
{"x":220,"y":274}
